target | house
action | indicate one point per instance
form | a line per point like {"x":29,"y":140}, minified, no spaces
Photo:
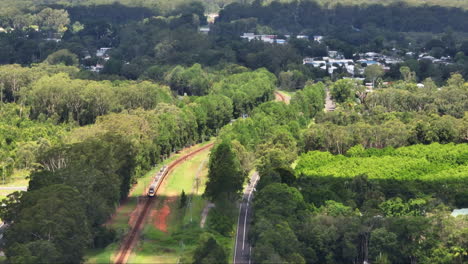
{"x":333,"y":54}
{"x":248,"y":36}
{"x":204,"y":30}
{"x":264,"y":38}
{"x":318,"y":39}
{"x":427,"y":58}
{"x":302,"y":37}
{"x":457,"y":212}
{"x":102,"y":51}
{"x":53,"y":39}
{"x":98,"y":68}
{"x":280,"y":41}
{"x":393,"y":61}
{"x":371,"y":54}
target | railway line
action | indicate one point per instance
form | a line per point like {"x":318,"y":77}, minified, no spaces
{"x":281,"y":97}
{"x":131,"y":239}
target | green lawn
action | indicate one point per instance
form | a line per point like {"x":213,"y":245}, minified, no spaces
{"x":183,"y":177}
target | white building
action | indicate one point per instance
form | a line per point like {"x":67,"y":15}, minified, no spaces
{"x":264,"y":38}
{"x":102,"y":51}
{"x":204,"y":30}
{"x":97,"y":68}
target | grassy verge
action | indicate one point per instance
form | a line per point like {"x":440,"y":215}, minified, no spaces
{"x":288,"y":93}
{"x":18,"y":179}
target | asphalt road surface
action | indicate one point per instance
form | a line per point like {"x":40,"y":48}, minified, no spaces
{"x":14,"y":188}
{"x":242,"y":250}
{"x":329,"y":104}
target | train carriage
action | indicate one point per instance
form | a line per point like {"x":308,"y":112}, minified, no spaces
{"x":157,"y":181}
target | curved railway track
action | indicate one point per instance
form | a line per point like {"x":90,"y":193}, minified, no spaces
{"x":127,"y":247}
{"x":280,"y":97}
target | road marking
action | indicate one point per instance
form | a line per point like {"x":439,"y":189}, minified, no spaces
{"x":245,"y":224}
{"x":235,"y":247}
{"x":251,"y":187}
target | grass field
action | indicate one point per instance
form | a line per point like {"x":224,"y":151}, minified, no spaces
{"x":18,"y":179}
{"x":120,"y":221}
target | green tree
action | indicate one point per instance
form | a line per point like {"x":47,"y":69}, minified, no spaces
{"x":50,"y":225}
{"x":53,"y":20}
{"x":343,"y":90}
{"x":456,"y":80}
{"x":209,"y":251}
{"x":373,"y":72}
{"x":63,"y":57}
{"x":183,"y":200}
{"x":407,"y":74}
{"x":225,"y":177}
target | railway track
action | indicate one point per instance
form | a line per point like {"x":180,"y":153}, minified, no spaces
{"x":282,"y":98}
{"x":127,"y":247}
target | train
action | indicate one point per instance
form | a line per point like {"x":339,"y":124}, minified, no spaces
{"x":157,"y":181}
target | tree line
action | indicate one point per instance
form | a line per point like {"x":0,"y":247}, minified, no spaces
{"x":265,"y":140}
{"x":96,"y":164}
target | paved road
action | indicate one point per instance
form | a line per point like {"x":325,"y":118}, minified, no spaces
{"x":14,"y":188}
{"x":242,"y":248}
{"x":329,"y":104}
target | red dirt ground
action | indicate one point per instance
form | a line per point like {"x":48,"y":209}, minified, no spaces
{"x":159,"y":217}
{"x":132,"y":238}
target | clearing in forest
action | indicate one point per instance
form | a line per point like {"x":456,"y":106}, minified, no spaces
{"x":172,"y":232}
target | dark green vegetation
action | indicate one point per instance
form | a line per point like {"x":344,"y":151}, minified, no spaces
{"x":269,"y":137}
{"x":130,"y":126}
{"x":376,"y":202}
{"x":396,"y":116}
{"x":148,"y":40}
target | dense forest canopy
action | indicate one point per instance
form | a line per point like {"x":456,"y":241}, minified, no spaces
{"x":296,"y":17}
{"x":93,"y":94}
{"x":142,"y":42}
{"x":215,"y":5}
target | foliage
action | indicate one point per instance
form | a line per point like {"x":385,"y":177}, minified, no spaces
{"x":183,"y":200}
{"x":343,"y":90}
{"x":62,"y":57}
{"x":224,"y":177}
{"x":209,"y":251}
{"x":51,"y":225}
